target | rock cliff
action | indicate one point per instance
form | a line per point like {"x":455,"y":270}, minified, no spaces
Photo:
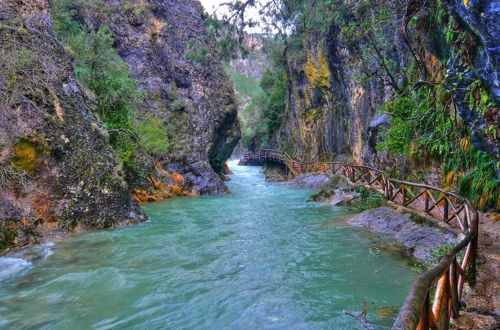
{"x":327,"y":112}
{"x":57,"y":170}
{"x":171,"y":54}
{"x":340,"y":79}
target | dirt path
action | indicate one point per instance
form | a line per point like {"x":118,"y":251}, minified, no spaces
{"x":483,"y":301}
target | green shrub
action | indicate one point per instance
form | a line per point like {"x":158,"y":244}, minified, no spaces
{"x":198,"y":53}
{"x":178,"y":105}
{"x":369,"y":199}
{"x":172,"y":92}
{"x":153,"y":136}
{"x":7,"y":238}
{"x":422,"y":129}
{"x":274,"y":82}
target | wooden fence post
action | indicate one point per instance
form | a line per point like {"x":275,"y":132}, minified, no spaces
{"x":386,"y":187}
{"x":426,"y":201}
{"x":423,"y":323}
{"x":445,"y":209}
{"x":473,"y":259}
{"x":454,"y":308}
{"x":403,"y":193}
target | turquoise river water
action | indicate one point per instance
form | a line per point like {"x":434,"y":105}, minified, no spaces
{"x":259,"y":258}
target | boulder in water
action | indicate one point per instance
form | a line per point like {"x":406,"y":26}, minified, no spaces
{"x":310,"y":181}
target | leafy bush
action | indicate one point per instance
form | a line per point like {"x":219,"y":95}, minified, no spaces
{"x":274,"y":83}
{"x":7,"y":238}
{"x":369,"y":199}
{"x":153,"y":136}
{"x":422,"y":129}
{"x":99,"y":68}
{"x":178,"y":105}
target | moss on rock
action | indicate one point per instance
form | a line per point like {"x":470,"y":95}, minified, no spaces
{"x":317,"y":70}
{"x":7,"y":238}
{"x":27,"y":154}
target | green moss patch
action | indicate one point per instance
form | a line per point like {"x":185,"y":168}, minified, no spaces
{"x":27,"y":154}
{"x":7,"y":237}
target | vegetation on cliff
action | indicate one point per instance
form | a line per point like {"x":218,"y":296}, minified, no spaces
{"x":57,"y":169}
{"x":161,"y":94}
{"x":117,"y":98}
{"x":183,"y":85}
{"x":420,"y":63}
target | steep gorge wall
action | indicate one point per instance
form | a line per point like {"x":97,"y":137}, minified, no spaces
{"x":324,"y":112}
{"x":170,"y":53}
{"x":57,"y":170}
{"x":328,"y":113}
{"x":336,"y":90}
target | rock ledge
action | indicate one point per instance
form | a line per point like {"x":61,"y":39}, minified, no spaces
{"x":421,"y":239}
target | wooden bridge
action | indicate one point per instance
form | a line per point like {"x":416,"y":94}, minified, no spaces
{"x":449,"y":275}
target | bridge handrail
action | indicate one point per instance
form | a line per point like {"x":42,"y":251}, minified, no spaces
{"x":449,"y":274}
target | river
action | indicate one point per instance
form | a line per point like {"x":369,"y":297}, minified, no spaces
{"x":260,"y":257}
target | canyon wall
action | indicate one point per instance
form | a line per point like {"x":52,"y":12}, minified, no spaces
{"x":340,"y":79}
{"x":328,"y":113}
{"x":171,"y":54}
{"x":57,"y":170}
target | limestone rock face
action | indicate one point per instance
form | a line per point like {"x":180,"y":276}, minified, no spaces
{"x":327,"y":112}
{"x":481,"y":18}
{"x":170,"y":53}
{"x":57,"y":170}
{"x":330,"y":108}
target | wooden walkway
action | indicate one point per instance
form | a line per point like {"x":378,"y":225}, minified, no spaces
{"x":448,"y":276}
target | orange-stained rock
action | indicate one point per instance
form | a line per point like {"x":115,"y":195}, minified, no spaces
{"x":156,"y":183}
{"x":226,"y":170}
{"x":159,"y":192}
{"x":178,"y":178}
{"x":140,"y":196}
{"x":24,"y":222}
{"x":160,"y":168}
{"x":176,"y":189}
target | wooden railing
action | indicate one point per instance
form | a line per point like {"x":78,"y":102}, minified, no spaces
{"x":451,"y":272}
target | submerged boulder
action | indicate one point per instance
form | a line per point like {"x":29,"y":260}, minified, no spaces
{"x":337,"y":191}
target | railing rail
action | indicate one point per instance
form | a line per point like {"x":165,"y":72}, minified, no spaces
{"x":449,"y":275}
